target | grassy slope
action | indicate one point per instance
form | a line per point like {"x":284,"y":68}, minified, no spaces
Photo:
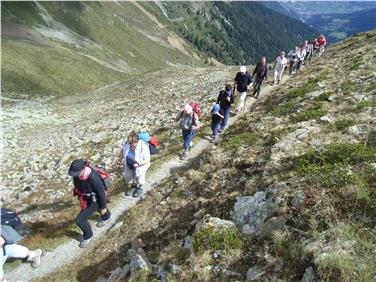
{"x":35,"y":69}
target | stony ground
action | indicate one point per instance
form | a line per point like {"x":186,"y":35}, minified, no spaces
{"x":42,"y":137}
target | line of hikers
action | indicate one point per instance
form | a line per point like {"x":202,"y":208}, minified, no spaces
{"x":91,"y":183}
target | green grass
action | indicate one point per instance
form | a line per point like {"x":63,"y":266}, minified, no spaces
{"x":310,"y":86}
{"x":211,"y":238}
{"x":37,"y":70}
{"x":348,"y":87}
{"x":324,"y":96}
{"x":336,"y":165}
{"x":245,"y":138}
{"x":343,"y":124}
{"x":364,"y":104}
{"x":313,"y":113}
{"x":283,"y":109}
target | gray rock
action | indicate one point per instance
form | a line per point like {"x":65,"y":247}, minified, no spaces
{"x":313,"y":95}
{"x":309,"y":275}
{"x":254,"y":273}
{"x":188,"y":243}
{"x":251,"y":212}
{"x":332,"y":97}
{"x":214,"y":221}
{"x":138,"y":264}
{"x":298,"y":200}
{"x":175,"y":268}
{"x":273,"y":224}
{"x":161,"y":273}
{"x":326,"y":119}
{"x":119,"y":273}
{"x":360,"y":97}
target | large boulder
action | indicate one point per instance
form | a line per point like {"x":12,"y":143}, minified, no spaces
{"x":252,"y":212}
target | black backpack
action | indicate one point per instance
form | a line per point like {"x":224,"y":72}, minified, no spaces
{"x":10,"y":218}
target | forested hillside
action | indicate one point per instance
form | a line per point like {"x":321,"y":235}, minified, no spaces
{"x":236,"y":32}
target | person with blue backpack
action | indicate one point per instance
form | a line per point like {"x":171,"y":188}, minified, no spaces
{"x":135,"y":154}
{"x":225,"y":100}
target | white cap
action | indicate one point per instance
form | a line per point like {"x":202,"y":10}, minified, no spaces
{"x":243,"y":69}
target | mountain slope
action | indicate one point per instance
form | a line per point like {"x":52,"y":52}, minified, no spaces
{"x":287,"y":194}
{"x":66,"y":48}
{"x":235,"y":32}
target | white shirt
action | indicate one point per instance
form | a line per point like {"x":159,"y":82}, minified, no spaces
{"x":280,"y":62}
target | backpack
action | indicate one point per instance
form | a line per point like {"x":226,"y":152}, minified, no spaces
{"x":104,"y":175}
{"x":10,"y":218}
{"x":196,"y":108}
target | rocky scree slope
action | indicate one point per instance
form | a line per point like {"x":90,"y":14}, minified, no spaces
{"x":288,"y":193}
{"x":42,"y":136}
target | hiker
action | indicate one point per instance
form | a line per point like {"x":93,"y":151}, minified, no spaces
{"x":279,"y":67}
{"x":90,"y":190}
{"x":225,"y":99}
{"x":189,"y":122}
{"x":308,"y":57}
{"x":321,"y":40}
{"x":316,"y":46}
{"x":242,"y":81}
{"x":301,"y":55}
{"x":217,"y":117}
{"x":9,"y":249}
{"x":135,"y":155}
{"x":261,"y":74}
{"x":293,"y":56}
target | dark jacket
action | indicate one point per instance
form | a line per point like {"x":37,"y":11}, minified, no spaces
{"x":223,"y":101}
{"x":242,"y":81}
{"x":92,"y":184}
{"x":261,"y":71}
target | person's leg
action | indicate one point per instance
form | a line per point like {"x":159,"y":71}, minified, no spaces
{"x":215,"y":128}
{"x":82,"y":220}
{"x":21,"y":252}
{"x":186,"y":140}
{"x":275,"y":78}
{"x":241,"y":101}
{"x":258,"y":89}
{"x":280,"y":73}
{"x":226,"y":113}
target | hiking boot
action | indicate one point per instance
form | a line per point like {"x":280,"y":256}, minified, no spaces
{"x":35,"y":259}
{"x":85,"y":243}
{"x":183,"y":156}
{"x":137,"y":192}
{"x":101,"y":223}
{"x":130,"y":192}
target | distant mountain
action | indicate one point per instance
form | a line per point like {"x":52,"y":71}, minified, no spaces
{"x":337,"y":19}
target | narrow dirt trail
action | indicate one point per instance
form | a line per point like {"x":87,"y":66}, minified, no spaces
{"x":68,"y":251}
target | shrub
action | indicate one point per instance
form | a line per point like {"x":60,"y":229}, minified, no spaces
{"x":331,"y":166}
{"x":324,"y":96}
{"x":211,"y":238}
{"x":348,"y":86}
{"x":343,"y":124}
{"x":309,"y":114}
{"x":246,"y":138}
{"x":283,"y":109}
{"x":364,"y":104}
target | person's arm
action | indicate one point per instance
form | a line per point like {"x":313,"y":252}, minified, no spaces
{"x":178,"y":116}
{"x":234,"y":86}
{"x":196,"y":123}
{"x":145,"y":156}
{"x":255,"y":70}
{"x":98,"y":188}
{"x":219,"y":97}
{"x":2,"y":241}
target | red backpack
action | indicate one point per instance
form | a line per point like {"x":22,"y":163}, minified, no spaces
{"x":104,"y":175}
{"x":196,"y":108}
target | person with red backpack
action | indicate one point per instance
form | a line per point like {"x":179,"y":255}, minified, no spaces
{"x":90,"y":190}
{"x":189,"y":123}
{"x":321,"y":40}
